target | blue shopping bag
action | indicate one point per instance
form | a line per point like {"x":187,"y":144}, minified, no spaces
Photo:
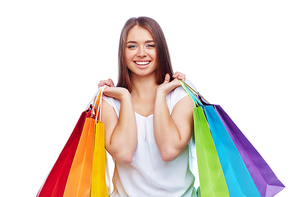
{"x":237,"y":176}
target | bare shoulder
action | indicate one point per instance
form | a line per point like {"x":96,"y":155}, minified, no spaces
{"x":182,"y":116}
{"x":183,"y":106}
{"x":108,"y":113}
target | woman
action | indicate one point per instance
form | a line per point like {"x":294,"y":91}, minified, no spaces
{"x":148,"y":117}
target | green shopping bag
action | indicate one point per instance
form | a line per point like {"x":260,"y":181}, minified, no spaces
{"x":211,"y":177}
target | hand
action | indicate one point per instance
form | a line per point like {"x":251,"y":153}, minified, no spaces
{"x":180,"y":76}
{"x":112,"y":91}
{"x":108,"y":82}
{"x":167,"y":86}
{"x":117,"y":93}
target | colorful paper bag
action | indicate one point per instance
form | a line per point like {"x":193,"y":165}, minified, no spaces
{"x":211,"y":177}
{"x":79,"y":179}
{"x":264,"y":178}
{"x":237,"y":176}
{"x":55,"y":183}
{"x":80,"y":168}
{"x":98,"y":182}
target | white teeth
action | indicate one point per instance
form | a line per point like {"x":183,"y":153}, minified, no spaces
{"x":142,"y":63}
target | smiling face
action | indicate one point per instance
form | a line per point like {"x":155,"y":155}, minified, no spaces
{"x":140,"y":52}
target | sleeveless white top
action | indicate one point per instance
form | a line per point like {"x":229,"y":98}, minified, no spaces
{"x":148,"y":175}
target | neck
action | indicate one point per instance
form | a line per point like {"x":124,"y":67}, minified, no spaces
{"x":144,"y":87}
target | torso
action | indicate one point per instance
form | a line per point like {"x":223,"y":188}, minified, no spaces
{"x":148,"y":174}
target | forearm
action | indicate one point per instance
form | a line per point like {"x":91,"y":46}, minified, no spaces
{"x":124,"y":136}
{"x":120,"y":132}
{"x":167,"y":136}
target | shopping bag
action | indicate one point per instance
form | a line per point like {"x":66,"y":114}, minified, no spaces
{"x":79,"y":179}
{"x":98,"y":179}
{"x":211,"y":176}
{"x":237,"y":176}
{"x":80,"y":176}
{"x":56,"y":180}
{"x":264,"y":178}
{"x":73,"y":174}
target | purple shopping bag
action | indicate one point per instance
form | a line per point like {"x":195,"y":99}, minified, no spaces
{"x":264,"y":178}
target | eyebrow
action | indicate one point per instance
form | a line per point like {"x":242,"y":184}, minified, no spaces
{"x":136,"y":42}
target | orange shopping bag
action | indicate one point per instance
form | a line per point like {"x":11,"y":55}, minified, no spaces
{"x":79,"y":179}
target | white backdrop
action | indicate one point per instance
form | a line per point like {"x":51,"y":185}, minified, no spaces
{"x":53,"y":54}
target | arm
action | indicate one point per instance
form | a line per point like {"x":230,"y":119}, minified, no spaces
{"x":172,"y":132}
{"x":120,"y":133}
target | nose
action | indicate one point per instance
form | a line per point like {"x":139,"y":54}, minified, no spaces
{"x":141,"y":52}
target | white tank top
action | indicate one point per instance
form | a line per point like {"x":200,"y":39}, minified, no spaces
{"x":148,"y":175}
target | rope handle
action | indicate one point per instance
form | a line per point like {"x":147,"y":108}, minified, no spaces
{"x":193,"y":94}
{"x":97,"y":110}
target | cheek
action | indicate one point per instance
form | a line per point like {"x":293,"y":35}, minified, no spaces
{"x":129,"y":55}
{"x":153,"y":55}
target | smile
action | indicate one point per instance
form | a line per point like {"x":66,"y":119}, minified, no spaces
{"x":142,"y":63}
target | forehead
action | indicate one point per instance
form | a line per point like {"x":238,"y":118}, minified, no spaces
{"x":138,"y":33}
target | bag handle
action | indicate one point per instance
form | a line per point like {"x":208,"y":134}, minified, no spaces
{"x":92,"y":102}
{"x":193,"y":94}
{"x":196,"y":92}
{"x":99,"y":112}
{"x":98,"y":104}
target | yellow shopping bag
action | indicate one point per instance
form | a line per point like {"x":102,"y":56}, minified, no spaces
{"x":98,"y":181}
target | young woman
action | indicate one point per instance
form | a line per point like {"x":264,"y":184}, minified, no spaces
{"x":148,"y":117}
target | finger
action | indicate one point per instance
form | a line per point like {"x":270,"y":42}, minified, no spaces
{"x":101,"y":84}
{"x":167,"y":78}
{"x":179,"y":75}
{"x":104,"y":82}
{"x":111,"y":82}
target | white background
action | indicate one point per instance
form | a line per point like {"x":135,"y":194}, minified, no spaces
{"x":239,"y":54}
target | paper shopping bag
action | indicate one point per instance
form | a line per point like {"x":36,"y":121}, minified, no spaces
{"x":237,"y":176}
{"x":79,"y":179}
{"x":80,"y":168}
{"x":265,"y":179}
{"x":98,"y":182}
{"x":55,"y":183}
{"x":211,"y":176}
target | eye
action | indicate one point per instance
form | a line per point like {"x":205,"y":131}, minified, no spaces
{"x":150,"y":45}
{"x":131,"y":46}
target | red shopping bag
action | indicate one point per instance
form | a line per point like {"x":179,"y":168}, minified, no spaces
{"x":55,"y":183}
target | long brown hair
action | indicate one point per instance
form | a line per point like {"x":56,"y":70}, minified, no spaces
{"x":163,"y":57}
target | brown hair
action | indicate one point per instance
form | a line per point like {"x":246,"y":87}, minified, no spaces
{"x":163,"y":57}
